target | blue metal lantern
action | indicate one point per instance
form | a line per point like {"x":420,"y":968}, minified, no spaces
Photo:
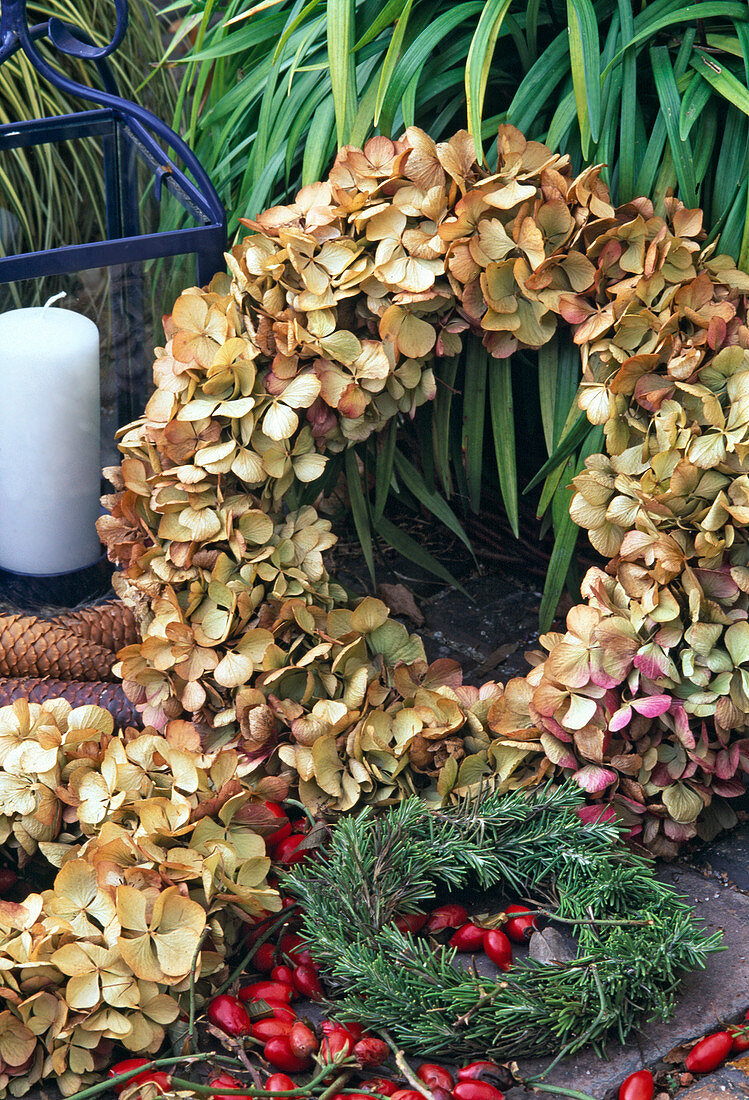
{"x":143,"y":163}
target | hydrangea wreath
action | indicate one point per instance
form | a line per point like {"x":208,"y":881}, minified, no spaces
{"x":329,"y":325}
{"x":257,"y":676}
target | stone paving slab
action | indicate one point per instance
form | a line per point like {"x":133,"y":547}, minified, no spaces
{"x":724,"y":1084}
{"x":710,"y":998}
{"x":727,"y":855}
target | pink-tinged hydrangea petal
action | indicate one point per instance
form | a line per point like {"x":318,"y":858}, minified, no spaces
{"x":652,"y":706}
{"x":554,"y":728}
{"x":651,"y":661}
{"x":611,"y":701}
{"x":594,"y":779}
{"x":727,"y":762}
{"x":717,"y":584}
{"x":620,"y":718}
{"x":677,"y":832}
{"x":601,"y":678}
{"x":630,"y":804}
{"x":681,"y":725}
{"x":727,"y":788}
{"x":595,"y":813}
{"x":155,"y":716}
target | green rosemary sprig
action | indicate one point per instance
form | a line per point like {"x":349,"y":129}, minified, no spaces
{"x":635,"y":936}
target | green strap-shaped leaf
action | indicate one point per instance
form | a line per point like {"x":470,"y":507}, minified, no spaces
{"x":722,"y":79}
{"x":415,"y":552}
{"x":359,"y":511}
{"x":670,"y":101}
{"x":628,"y":109}
{"x":474,"y":405}
{"x":431,"y":500}
{"x":503,"y":427}
{"x":293,"y":24}
{"x":318,"y":142}
{"x":391,"y":59}
{"x":441,"y":408}
{"x":548,"y":365}
{"x":341,"y":16}
{"x":693,"y":103}
{"x":478,"y":64}
{"x":566,"y":533}
{"x":387,"y":15}
{"x":647,"y":27}
{"x":585,"y":55}
{"x":569,"y":443}
{"x":384,"y":467}
{"x":539,"y":84}
{"x":420,"y":51}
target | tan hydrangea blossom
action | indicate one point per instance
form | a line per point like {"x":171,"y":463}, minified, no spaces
{"x":151,"y":838}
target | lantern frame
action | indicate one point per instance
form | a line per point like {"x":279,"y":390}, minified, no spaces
{"x":129,"y":134}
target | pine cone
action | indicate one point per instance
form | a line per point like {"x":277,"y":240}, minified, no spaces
{"x":37,"y":647}
{"x":110,"y":625}
{"x":109,"y":696}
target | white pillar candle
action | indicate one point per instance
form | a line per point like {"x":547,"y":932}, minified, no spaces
{"x":49,"y":440}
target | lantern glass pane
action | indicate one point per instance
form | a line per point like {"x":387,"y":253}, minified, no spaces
{"x":126,"y":302}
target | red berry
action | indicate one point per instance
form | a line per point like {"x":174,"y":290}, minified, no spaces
{"x":446,"y":916}
{"x":435,"y":1076}
{"x":287,"y":852}
{"x":229,"y":1014}
{"x":498,"y":948}
{"x":411,"y":922}
{"x":476,"y":1090}
{"x":283,"y":974}
{"x":150,"y":1076}
{"x":279,"y":1053}
{"x":336,"y":1042}
{"x":638,"y":1086}
{"x":354,"y":1031}
{"x":276,"y":835}
{"x":379,"y":1084}
{"x":709,"y":1052}
{"x":477,"y":1071}
{"x":225,"y":1080}
{"x":292,"y":945}
{"x":271,"y":1028}
{"x":264,"y":991}
{"x":469,"y":937}
{"x":279,"y":1082}
{"x":264,"y":958}
{"x":307,"y":983}
{"x":302,"y":1040}
{"x":519,"y":928}
{"x":407,"y":1094}
{"x":371,"y":1052}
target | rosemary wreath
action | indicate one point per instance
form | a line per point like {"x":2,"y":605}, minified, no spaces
{"x":635,"y":936}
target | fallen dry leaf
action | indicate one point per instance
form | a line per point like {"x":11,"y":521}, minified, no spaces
{"x":400,"y":600}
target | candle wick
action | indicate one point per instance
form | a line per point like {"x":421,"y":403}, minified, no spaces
{"x":54,"y":298}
